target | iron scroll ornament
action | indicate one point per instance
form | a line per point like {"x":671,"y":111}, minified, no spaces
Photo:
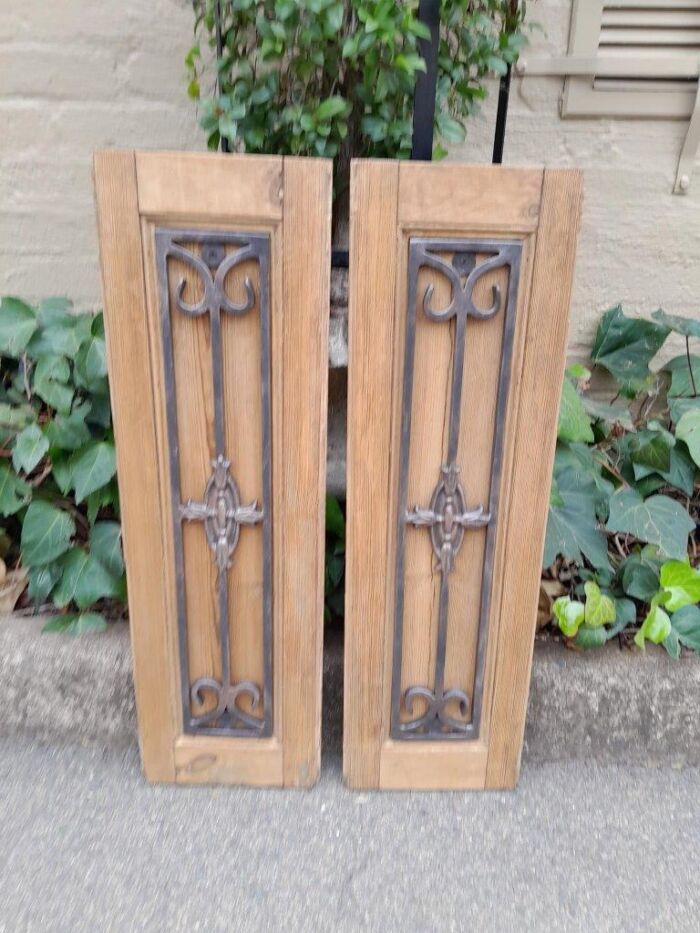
{"x":423,"y":712}
{"x":221,"y":511}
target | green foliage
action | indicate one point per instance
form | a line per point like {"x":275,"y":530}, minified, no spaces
{"x":334,"y":588}
{"x":625,"y":499}
{"x":58,"y":496}
{"x":329,"y":78}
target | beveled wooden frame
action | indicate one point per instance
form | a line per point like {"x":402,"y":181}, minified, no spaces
{"x":291,"y":199}
{"x":391,"y":202}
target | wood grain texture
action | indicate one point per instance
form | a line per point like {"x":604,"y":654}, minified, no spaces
{"x":210,"y":760}
{"x":468,"y":202}
{"x":132,"y":398}
{"x":432,"y":766}
{"x":373,"y":249}
{"x":306,"y":298}
{"x":480,"y":197}
{"x":251,"y":199}
{"x":536,"y":430}
{"x":190,"y":186}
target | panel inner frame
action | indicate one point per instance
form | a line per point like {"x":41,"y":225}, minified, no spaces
{"x":488,"y":361}
{"x":199,"y":652}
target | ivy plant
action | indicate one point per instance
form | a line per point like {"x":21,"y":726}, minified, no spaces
{"x":330,"y":78}
{"x":625,"y":501}
{"x":58,"y":494}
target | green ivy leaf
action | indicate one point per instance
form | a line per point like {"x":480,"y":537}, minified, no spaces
{"x":12,"y":419}
{"x":42,"y":580}
{"x":639,"y":575}
{"x":652,"y":448}
{"x":91,"y":467}
{"x":600,"y":609}
{"x":91,"y":364}
{"x":84,"y":580}
{"x":569,"y":615}
{"x":17,"y":324}
{"x":658,"y":520}
{"x":655,"y":628}
{"x":687,"y":326}
{"x":76,"y":624}
{"x":625,"y":347}
{"x":28,"y":449}
{"x":574,"y":423}
{"x":677,"y":407}
{"x":681,"y":383}
{"x":62,"y":336}
{"x":50,"y":382}
{"x":682,"y":582}
{"x":106,"y":546}
{"x":102,"y":498}
{"x":46,"y":533}
{"x":572,"y":524}
{"x":688,"y":430}
{"x":686,"y":623}
{"x":14,"y":492}
{"x":335,"y":521}
{"x":69,"y":432}
{"x":611,"y":414}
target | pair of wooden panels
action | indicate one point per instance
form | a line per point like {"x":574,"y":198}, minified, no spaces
{"x":216,"y":289}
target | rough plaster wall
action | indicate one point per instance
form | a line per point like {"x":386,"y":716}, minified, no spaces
{"x":80,"y":74}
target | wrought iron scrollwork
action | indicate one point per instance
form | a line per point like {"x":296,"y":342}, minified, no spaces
{"x":438,"y":712}
{"x":243,"y":708}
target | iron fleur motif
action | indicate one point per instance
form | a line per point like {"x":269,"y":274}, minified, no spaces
{"x":447,"y":517}
{"x":236,"y":705}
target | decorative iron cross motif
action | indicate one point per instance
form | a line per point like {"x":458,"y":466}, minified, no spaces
{"x":222,"y":513}
{"x":447,"y":516}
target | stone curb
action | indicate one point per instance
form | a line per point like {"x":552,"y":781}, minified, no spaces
{"x":610,"y":706}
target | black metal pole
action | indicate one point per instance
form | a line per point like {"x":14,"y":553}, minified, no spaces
{"x":426,"y":83}
{"x":501,"y":116}
{"x":219,"y":53}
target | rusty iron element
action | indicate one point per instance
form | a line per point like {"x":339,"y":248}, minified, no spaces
{"x":244,"y":708}
{"x":437,"y":712}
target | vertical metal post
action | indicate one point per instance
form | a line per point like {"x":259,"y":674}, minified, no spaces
{"x":501,"y":116}
{"x":219,"y":54}
{"x":426,"y":83}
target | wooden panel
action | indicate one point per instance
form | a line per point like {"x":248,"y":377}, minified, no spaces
{"x":487,"y":198}
{"x":536,"y":429}
{"x":433,"y":766}
{"x":213,"y":200}
{"x":306,"y":291}
{"x":463,"y":203}
{"x":188,"y":186}
{"x":215,"y":761}
{"x":373,"y":260}
{"x":132,"y":395}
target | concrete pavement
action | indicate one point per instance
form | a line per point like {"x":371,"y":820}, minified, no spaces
{"x":87,"y":845}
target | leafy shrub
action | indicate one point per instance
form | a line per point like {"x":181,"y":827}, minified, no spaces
{"x":329,"y":78}
{"x":334,"y":586}
{"x":625,"y":499}
{"x":58,"y":493}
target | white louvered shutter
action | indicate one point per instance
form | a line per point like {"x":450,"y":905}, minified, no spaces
{"x":655,"y":44}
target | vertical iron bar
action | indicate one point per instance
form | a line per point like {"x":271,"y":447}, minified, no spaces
{"x":501,"y":116}
{"x":219,"y":56}
{"x":426,"y":83}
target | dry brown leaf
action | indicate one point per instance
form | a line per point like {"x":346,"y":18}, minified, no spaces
{"x":549,"y":591}
{"x":12,"y":588}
